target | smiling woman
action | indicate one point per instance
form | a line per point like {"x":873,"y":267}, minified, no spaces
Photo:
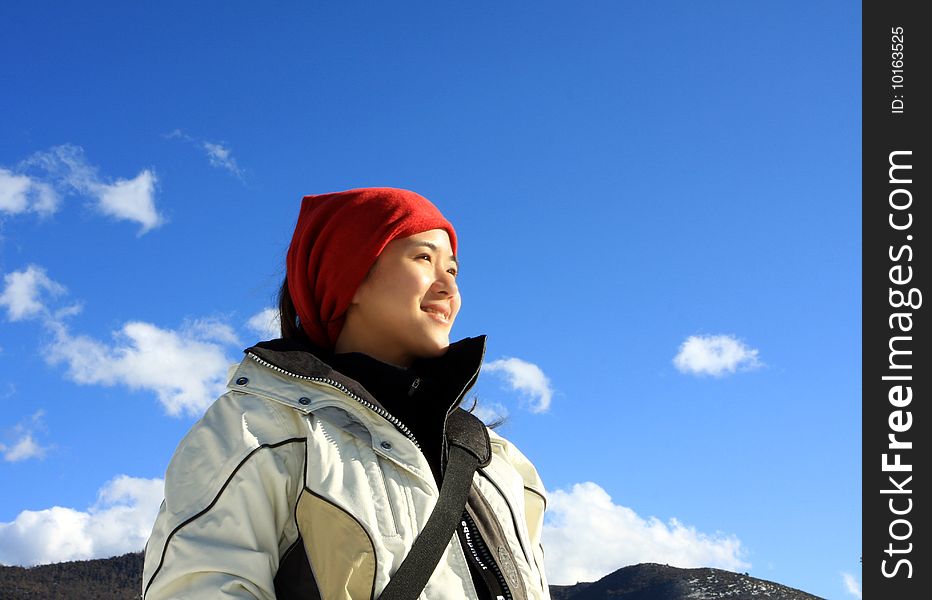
{"x":333,"y":465}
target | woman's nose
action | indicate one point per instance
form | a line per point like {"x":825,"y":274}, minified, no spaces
{"x":445,"y":283}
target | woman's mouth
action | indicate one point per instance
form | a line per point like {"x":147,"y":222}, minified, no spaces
{"x":438,"y":313}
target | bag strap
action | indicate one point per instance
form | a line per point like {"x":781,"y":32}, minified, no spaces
{"x":468,"y":448}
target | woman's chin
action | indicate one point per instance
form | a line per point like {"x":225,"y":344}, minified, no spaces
{"x":436,"y":348}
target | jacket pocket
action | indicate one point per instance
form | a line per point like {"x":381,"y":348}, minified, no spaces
{"x":385,"y":503}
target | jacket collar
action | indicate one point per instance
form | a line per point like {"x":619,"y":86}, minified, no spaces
{"x":450,"y":375}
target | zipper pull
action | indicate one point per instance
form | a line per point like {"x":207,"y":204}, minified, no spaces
{"x":414,"y":386}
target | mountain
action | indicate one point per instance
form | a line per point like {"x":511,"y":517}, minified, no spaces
{"x":118,"y":578}
{"x":649,"y":581}
{"x":114,"y":578}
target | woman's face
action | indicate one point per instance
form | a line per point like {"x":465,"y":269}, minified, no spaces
{"x":406,"y":306}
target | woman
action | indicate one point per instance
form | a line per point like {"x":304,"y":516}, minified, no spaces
{"x":314,"y":475}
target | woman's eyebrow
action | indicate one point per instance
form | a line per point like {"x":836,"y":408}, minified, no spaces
{"x":433,"y":247}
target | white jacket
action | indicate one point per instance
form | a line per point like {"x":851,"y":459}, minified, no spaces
{"x":295,"y":460}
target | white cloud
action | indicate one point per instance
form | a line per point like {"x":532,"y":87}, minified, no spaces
{"x":186,"y":368}
{"x":21,"y":193}
{"x":715,"y":355}
{"x":527,"y":378}
{"x":25,"y":445}
{"x":221,"y":156}
{"x":212,"y":330}
{"x":23,"y":448}
{"x":851,"y":585}
{"x":586,"y":536}
{"x":13,"y":190}
{"x":266,"y":324}
{"x":65,"y":167}
{"x":131,"y":200}
{"x":120,"y":521}
{"x":23,"y":290}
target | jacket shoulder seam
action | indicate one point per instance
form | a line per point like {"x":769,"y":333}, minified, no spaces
{"x":537,"y":493}
{"x":207,"y":508}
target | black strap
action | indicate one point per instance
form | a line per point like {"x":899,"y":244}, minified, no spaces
{"x":468,"y":449}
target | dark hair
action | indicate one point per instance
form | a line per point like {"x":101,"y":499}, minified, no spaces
{"x":494,"y":423}
{"x":287,"y":314}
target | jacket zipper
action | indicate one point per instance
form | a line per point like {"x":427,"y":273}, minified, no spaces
{"x":339,"y":386}
{"x":480,"y":551}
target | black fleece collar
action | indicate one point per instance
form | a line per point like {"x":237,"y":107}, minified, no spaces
{"x":448,"y":377}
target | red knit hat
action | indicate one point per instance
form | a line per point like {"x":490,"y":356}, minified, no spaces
{"x":335,"y":243}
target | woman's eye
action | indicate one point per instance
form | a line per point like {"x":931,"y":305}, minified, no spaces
{"x":452,"y":270}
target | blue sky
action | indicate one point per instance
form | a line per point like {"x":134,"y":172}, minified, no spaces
{"x":658,"y":206}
